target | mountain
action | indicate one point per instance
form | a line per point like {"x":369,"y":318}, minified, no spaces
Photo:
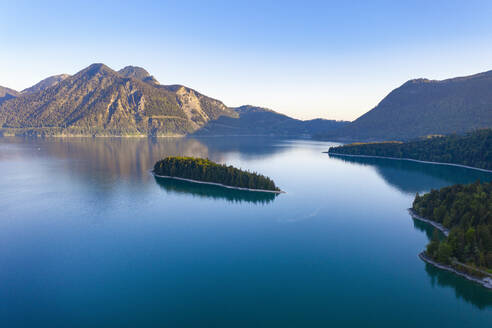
{"x":138,"y":73}
{"x":101,"y":101}
{"x":98,"y":101}
{"x":6,"y":94}
{"x":425,"y":107}
{"x":46,"y":83}
{"x":254,"y":120}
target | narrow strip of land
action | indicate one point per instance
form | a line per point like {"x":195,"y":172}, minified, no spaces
{"x":438,"y":226}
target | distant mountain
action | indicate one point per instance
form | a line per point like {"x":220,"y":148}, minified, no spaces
{"x":254,"y":120}
{"x":424,"y":107}
{"x":6,"y":94}
{"x":45,"y":84}
{"x":101,"y":101}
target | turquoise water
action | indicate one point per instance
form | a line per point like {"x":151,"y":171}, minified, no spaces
{"x":88,"y":238}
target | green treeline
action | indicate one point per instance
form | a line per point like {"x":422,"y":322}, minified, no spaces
{"x":473,"y":149}
{"x":466,"y":210}
{"x":205,"y":170}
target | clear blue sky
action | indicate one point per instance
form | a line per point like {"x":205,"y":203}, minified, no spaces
{"x":306,"y":59}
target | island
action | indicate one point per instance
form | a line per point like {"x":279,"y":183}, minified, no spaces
{"x":463,"y":214}
{"x":473,"y":150}
{"x":202,"y":170}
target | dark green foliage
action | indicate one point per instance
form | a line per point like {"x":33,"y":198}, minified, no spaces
{"x":473,"y":149}
{"x":205,"y":170}
{"x":466,"y":210}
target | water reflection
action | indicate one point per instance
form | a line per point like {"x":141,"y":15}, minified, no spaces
{"x":426,"y":228}
{"x":91,"y":217}
{"x":464,"y":289}
{"x":131,"y":158}
{"x":413,"y":177}
{"x":214,"y":192}
{"x":247,"y":147}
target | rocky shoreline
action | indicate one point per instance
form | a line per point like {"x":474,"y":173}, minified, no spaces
{"x":436,"y":225}
{"x":485,"y":282}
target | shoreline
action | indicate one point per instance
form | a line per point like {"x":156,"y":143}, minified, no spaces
{"x":60,"y":136}
{"x":436,"y":225}
{"x":218,"y":184}
{"x":412,"y":160}
{"x":485,"y":282}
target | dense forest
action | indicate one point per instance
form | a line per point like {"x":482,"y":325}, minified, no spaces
{"x":473,"y":149}
{"x":466,"y":210}
{"x":205,"y":170}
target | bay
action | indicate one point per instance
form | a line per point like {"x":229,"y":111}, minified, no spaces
{"x":88,"y":237}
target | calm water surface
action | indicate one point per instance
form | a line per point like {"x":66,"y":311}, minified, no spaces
{"x":88,"y":238}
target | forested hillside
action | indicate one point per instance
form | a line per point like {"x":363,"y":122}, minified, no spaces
{"x":255,"y":120}
{"x":473,"y":149}
{"x":466,"y":210}
{"x":207,"y":171}
{"x":424,"y":107}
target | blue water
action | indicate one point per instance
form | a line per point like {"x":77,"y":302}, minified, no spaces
{"x":88,"y":238}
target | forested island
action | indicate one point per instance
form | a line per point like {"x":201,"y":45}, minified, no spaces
{"x":473,"y":149}
{"x":205,"y":171}
{"x":465,"y":214}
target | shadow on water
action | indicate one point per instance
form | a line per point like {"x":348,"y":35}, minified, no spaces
{"x":214,"y":192}
{"x":411,"y":177}
{"x":426,"y":228}
{"x":468,"y":291}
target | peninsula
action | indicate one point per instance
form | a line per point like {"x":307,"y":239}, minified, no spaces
{"x":202,"y":170}
{"x":472,"y":150}
{"x":462,"y":213}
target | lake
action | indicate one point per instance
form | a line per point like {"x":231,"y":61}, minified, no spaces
{"x":89,"y":238}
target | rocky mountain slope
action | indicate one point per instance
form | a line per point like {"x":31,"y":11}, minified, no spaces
{"x":6,"y":94}
{"x":45,"y":84}
{"x":101,"y":101}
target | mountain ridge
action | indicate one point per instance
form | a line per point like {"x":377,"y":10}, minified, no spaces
{"x":7,"y":93}
{"x":99,"y":101}
{"x":421,"y":107}
{"x":255,"y":120}
{"x":45,"y":83}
